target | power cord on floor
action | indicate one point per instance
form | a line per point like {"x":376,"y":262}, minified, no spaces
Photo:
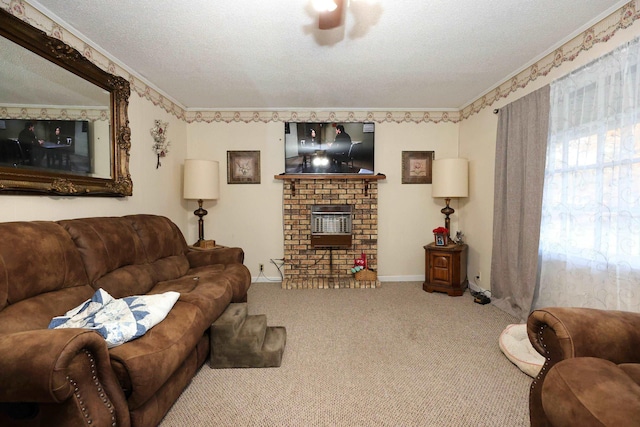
{"x":480,"y":297}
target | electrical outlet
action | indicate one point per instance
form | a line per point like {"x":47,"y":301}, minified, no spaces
{"x":261,"y":267}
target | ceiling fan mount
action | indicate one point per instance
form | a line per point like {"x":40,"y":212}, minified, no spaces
{"x":330,"y":13}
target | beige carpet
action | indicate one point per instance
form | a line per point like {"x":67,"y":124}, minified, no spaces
{"x":391,"y":356}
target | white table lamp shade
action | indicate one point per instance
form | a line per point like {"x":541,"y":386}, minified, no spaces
{"x":450,"y":178}
{"x":201,"y":179}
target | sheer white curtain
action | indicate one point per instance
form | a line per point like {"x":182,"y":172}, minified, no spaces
{"x":590,"y":227}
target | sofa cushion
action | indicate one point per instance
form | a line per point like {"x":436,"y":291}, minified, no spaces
{"x":201,"y":257}
{"x":36,"y":258}
{"x":144,"y":365}
{"x":107,"y":244}
{"x":36,"y":312}
{"x":159,"y":236}
{"x":163,"y":244}
{"x":237,"y":275}
{"x":127,"y":280}
{"x":582,"y":391}
{"x":170,"y":267}
{"x":632,"y":370}
{"x":211,"y":293}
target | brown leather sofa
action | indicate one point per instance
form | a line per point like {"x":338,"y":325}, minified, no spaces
{"x":68,"y":377}
{"x":591,"y":375}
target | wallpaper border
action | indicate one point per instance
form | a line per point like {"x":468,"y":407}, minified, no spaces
{"x":53,"y":113}
{"x":600,"y":32}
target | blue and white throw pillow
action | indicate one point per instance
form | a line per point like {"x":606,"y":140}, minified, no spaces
{"x":118,"y":320}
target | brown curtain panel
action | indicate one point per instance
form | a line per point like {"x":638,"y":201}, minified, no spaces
{"x":521,"y":145}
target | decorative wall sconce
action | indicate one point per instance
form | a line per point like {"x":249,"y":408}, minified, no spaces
{"x":161,"y":144}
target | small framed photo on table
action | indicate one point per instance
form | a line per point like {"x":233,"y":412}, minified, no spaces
{"x":243,"y":167}
{"x":441,"y":240}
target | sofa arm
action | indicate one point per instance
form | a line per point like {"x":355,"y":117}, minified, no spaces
{"x":588,"y":391}
{"x":58,"y":366}
{"x":200,"y":257}
{"x":560,"y":333}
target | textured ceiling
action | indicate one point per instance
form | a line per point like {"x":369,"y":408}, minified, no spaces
{"x":389,"y":54}
{"x":28,"y":79}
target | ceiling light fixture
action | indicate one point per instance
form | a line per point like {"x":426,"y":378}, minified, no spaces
{"x":331,"y":13}
{"x":324,"y":5}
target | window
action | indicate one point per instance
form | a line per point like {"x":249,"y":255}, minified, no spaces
{"x":590,"y":229}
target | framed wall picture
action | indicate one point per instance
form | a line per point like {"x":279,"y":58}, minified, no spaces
{"x":416,"y":167}
{"x":243,"y":167}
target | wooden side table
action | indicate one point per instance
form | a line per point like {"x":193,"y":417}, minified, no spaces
{"x":206,"y":244}
{"x":446,"y":269}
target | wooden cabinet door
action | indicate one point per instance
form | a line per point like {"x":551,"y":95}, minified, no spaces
{"x":441,"y":268}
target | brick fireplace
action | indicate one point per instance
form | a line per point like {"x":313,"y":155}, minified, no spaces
{"x":308,"y":266}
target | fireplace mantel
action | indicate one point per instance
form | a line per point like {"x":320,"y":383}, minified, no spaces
{"x":286,"y":176}
{"x":293,"y":177}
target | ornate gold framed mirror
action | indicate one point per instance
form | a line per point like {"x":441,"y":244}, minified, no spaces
{"x":64,"y":128}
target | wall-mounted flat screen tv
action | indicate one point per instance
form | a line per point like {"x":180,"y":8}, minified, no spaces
{"x":329,"y":148}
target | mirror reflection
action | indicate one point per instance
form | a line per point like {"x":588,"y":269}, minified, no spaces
{"x":67,"y":146}
{"x":64,"y":127}
{"x":73,"y":137}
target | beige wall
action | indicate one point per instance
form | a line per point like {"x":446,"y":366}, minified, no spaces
{"x":252,"y":218}
{"x":250,"y":215}
{"x":478,"y":143}
{"x":407,"y":212}
{"x":245,"y":215}
{"x":154,"y":190}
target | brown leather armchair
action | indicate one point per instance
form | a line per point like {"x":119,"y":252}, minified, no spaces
{"x":591,"y":375}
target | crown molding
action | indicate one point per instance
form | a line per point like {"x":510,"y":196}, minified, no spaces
{"x":53,"y":113}
{"x":600,"y":32}
{"x":309,"y":115}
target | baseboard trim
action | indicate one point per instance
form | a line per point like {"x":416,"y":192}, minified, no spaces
{"x":264,"y":279}
{"x":418,"y":278}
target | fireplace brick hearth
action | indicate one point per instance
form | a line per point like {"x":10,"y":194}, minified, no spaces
{"x":309,"y":267}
